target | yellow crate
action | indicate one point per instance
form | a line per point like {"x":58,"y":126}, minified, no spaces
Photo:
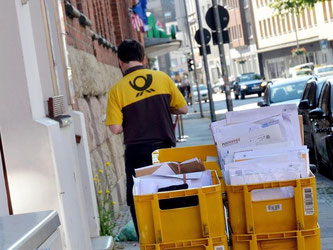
{"x":292,"y":240}
{"x":203,"y":219}
{"x":215,"y":166}
{"x":217,"y":243}
{"x":279,"y":215}
{"x":184,"y":153}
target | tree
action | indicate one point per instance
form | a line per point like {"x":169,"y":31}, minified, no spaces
{"x":292,"y":6}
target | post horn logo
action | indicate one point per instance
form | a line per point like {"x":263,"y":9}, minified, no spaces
{"x":148,"y":80}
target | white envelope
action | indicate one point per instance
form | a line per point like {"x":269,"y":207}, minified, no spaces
{"x":289,"y":114}
{"x":150,"y":184}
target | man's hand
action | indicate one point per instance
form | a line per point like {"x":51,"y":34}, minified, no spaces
{"x":180,"y":111}
{"x":116,"y":129}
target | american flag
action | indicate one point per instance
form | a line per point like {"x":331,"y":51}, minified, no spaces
{"x":137,"y":22}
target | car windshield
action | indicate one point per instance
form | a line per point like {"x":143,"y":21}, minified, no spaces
{"x":201,"y":87}
{"x":326,"y":69}
{"x":248,"y":77}
{"x":287,"y":92}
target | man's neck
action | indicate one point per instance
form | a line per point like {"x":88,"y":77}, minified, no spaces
{"x":131,"y":64}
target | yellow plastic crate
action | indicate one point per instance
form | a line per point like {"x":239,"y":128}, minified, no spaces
{"x":217,"y":243}
{"x":203,"y":219}
{"x":297,"y":213}
{"x":184,"y":153}
{"x":293,"y":240}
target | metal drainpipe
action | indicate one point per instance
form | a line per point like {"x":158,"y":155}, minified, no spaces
{"x":64,"y":52}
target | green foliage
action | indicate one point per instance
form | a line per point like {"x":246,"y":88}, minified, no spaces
{"x":104,"y":201}
{"x":292,"y":6}
{"x":106,"y":217}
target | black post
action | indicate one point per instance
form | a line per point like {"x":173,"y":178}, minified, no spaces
{"x":204,"y":55}
{"x":222,"y":58}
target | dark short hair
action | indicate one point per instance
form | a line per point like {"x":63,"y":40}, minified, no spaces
{"x":130,"y":50}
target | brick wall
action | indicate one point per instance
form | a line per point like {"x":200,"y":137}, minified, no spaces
{"x":110,"y":19}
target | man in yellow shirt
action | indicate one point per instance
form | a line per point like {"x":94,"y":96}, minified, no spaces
{"x":140,"y":105}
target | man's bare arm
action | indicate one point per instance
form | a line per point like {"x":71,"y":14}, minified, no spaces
{"x":180,"y":111}
{"x":116,"y":129}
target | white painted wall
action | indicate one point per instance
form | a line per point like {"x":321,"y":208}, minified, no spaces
{"x":41,"y":158}
{"x":3,"y":195}
{"x":88,"y":187}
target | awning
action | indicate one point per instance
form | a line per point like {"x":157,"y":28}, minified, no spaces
{"x":160,"y":46}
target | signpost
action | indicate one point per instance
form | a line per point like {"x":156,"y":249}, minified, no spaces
{"x":217,"y":19}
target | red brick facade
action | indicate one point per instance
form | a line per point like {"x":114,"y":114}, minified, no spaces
{"x":110,"y":19}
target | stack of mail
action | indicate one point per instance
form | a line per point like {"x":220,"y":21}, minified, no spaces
{"x":261,"y":145}
{"x":152,"y":178}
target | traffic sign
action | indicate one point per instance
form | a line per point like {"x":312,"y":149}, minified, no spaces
{"x":224,"y":17}
{"x":207,"y":36}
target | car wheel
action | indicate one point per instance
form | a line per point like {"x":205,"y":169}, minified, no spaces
{"x":236,"y":96}
{"x":259,"y":94}
{"x":242,"y":96}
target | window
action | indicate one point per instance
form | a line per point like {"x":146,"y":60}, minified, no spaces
{"x":309,"y":17}
{"x":260,"y":28}
{"x":288,"y":22}
{"x":298,"y":22}
{"x":283,"y":20}
{"x":304,"y":20}
{"x":265,"y":28}
{"x":279,"y":24}
{"x":324,"y":98}
{"x":274,"y":26}
{"x":240,"y":31}
{"x":174,"y":63}
{"x":330,"y":9}
{"x":314,"y":16}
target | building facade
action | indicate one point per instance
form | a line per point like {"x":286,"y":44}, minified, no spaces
{"x":278,"y":35}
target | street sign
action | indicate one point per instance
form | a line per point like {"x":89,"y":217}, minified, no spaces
{"x":207,"y":36}
{"x":224,"y":17}
{"x":207,"y":50}
{"x":225,"y":37}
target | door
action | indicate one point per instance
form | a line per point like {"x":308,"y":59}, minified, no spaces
{"x":320,"y":135}
{"x":309,"y":94}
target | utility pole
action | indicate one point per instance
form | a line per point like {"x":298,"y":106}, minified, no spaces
{"x":194,"y":64}
{"x":204,"y":57}
{"x":222,"y":58}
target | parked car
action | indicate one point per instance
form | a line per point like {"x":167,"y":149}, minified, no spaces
{"x":218,"y":86}
{"x":203,"y":93}
{"x":247,"y":84}
{"x":284,"y":91}
{"x":301,"y":70}
{"x":322,"y":123}
{"x":326,"y":70}
{"x":308,"y":102}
